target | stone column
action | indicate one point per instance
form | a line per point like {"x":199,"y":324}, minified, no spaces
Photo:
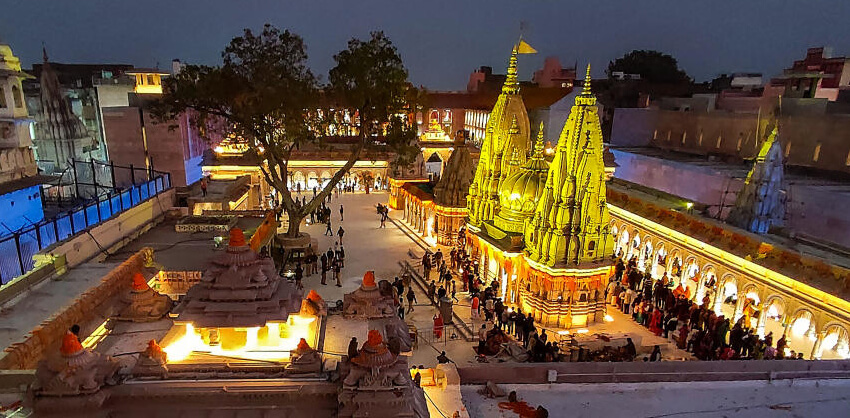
{"x":760,"y":323}
{"x":816,"y":348}
{"x":739,"y":307}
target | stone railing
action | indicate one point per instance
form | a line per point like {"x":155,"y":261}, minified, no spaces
{"x":48,"y":335}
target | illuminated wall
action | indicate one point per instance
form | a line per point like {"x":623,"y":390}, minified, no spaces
{"x":20,"y":208}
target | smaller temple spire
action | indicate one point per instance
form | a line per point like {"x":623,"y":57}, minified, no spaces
{"x":538,"y":144}
{"x":514,"y":158}
{"x":586,"y":89}
{"x":511,"y":85}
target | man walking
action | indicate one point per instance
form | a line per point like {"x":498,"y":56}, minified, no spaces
{"x":337,"y":268}
{"x":329,"y":231}
{"x":340,"y":213}
{"x":340,"y":232}
{"x":411,"y":298}
{"x":324,"y":268}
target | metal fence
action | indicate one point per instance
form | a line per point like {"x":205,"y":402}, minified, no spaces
{"x":17,"y":250}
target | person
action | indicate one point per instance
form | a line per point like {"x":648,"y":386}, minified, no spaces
{"x":324,"y":268}
{"x":340,"y":213}
{"x":75,"y":329}
{"x":475,"y":307}
{"x":339,"y":254}
{"x":656,"y":354}
{"x":314,"y":262}
{"x":337,"y":268}
{"x":442,"y":359}
{"x":780,"y":347}
{"x":340,"y":232}
{"x":631,"y":350}
{"x":426,"y":264}
{"x":454,"y":292}
{"x":299,"y":275}
{"x":482,"y":338}
{"x":417,"y":378}
{"x":352,"y":348}
{"x":204,"y":186}
{"x":411,"y":299}
{"x":383,"y":220}
{"x":401,"y":311}
{"x":329,"y":231}
{"x":438,"y":326}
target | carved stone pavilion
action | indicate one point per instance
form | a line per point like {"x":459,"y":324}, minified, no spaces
{"x":241,"y":305}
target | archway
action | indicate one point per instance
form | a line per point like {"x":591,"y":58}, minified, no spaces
{"x":707,"y":284}
{"x":634,"y":247}
{"x":835,"y":344}
{"x":802,"y":333}
{"x":622,"y":244}
{"x":325,"y":177}
{"x":659,"y":262}
{"x":727,"y":297}
{"x":312,"y":180}
{"x":773,"y":317}
{"x":674,"y":267}
{"x":690,"y":277}
{"x":751,"y":306}
{"x":645,"y":257}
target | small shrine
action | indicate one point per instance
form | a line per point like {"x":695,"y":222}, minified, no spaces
{"x":241,"y":308}
{"x":370,"y":300}
{"x":143,"y":304}
{"x":376,"y":383}
{"x":75,"y":371}
{"x":378,"y":304}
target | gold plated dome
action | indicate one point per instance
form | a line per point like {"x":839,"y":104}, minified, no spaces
{"x":519,"y":192}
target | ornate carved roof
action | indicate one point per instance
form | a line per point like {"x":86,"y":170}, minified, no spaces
{"x":239,"y":290}
{"x":571,"y":221}
{"x":761,"y":202}
{"x":453,"y":186}
{"x":56,"y":120}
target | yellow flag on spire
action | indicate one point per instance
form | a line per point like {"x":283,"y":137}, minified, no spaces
{"x":525,"y":48}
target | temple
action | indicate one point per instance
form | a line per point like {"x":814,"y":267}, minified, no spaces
{"x":541,"y":230}
{"x":761,"y":203}
{"x":241,"y":307}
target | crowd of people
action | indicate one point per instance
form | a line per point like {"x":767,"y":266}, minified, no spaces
{"x":667,"y":310}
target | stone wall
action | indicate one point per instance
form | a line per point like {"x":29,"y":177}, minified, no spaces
{"x":808,"y":139}
{"x":665,"y":371}
{"x":47,"y":337}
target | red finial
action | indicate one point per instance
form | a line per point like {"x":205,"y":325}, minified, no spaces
{"x":70,"y":344}
{"x":139,"y":282}
{"x":237,"y":238}
{"x":374,"y":339}
{"x":369,"y":279}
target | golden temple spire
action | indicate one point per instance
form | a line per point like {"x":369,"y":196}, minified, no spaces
{"x":511,"y":85}
{"x":514,"y":158}
{"x":538,"y":144}
{"x":586,"y":89}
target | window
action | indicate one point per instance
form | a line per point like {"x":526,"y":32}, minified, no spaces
{"x":684,"y":137}
{"x":740,"y":141}
{"x":16,"y":96}
{"x":2,"y":98}
{"x":591,"y":246}
{"x":669,"y":133}
{"x":847,"y":160}
{"x":150,"y":80}
{"x":787,"y":149}
{"x":700,"y":137}
{"x":817,"y":153}
{"x":655,"y":134}
{"x":719,"y":141}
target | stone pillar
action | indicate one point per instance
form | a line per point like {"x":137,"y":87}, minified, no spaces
{"x":816,"y":348}
{"x":762,"y":318}
{"x":446,"y":311}
{"x":739,"y":307}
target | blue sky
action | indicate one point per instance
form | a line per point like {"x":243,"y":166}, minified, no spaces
{"x":440,"y":41}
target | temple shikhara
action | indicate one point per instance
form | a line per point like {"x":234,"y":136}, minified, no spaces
{"x":542,"y":229}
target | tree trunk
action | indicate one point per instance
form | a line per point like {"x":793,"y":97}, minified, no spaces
{"x":295,"y":217}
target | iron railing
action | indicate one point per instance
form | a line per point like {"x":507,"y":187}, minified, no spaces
{"x":17,"y":249}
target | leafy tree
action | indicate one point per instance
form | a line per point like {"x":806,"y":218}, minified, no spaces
{"x":265,"y":92}
{"x":653,"y":66}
